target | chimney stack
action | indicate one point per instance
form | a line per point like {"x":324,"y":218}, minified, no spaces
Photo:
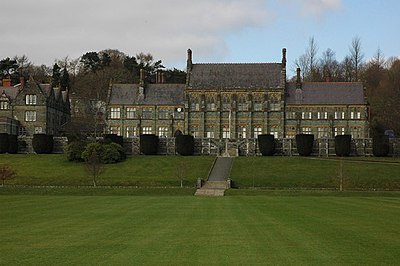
{"x":6,"y":82}
{"x":283,"y":71}
{"x":298,"y":78}
{"x":189,"y":59}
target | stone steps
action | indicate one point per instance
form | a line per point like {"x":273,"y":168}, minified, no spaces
{"x":210,"y":192}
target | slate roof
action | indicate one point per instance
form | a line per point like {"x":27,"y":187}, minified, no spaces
{"x":232,"y":76}
{"x":155,"y":94}
{"x":11,"y":92}
{"x":313,"y":93}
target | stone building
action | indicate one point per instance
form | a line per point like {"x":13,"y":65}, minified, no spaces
{"x":135,"y":109}
{"x":29,"y":107}
{"x":238,"y":101}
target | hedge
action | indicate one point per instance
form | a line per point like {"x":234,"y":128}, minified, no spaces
{"x":184,"y":144}
{"x":74,"y":150}
{"x":304,"y":144}
{"x":13,"y":144}
{"x":148,"y":144}
{"x":4,"y":142}
{"x":108,"y":138}
{"x":266,"y":144}
{"x":380,"y":145}
{"x":343,"y":145}
{"x":42,"y":143}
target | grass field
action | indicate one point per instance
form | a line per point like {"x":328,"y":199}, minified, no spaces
{"x":54,"y":169}
{"x":187,"y":230}
{"x":311,"y":172}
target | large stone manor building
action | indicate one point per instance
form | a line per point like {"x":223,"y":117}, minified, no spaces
{"x":29,"y":108}
{"x":237,"y":101}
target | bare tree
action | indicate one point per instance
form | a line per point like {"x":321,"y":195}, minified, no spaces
{"x":94,"y":167}
{"x":330,"y":66}
{"x":6,"y":172}
{"x":356,"y":56}
{"x":308,"y":61}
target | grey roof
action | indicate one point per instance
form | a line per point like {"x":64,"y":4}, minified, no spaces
{"x":11,"y":92}
{"x":155,"y":94}
{"x":252,"y":75}
{"x":348,"y":93}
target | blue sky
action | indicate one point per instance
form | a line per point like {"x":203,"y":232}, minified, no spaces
{"x":216,"y":30}
{"x":376,"y":23}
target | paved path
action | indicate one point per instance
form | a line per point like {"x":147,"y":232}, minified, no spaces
{"x":221,"y":169}
{"x":217,"y":180}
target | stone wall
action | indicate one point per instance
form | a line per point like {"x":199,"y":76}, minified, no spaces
{"x":25,"y":144}
{"x":243,"y":147}
{"x":249,"y":147}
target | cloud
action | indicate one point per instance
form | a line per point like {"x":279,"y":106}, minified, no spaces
{"x":318,"y":7}
{"x":46,"y":30}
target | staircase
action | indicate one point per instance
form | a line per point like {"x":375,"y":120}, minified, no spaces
{"x":217,"y":181}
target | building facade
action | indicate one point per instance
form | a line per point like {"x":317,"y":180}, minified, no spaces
{"x":29,"y":108}
{"x":238,"y":101}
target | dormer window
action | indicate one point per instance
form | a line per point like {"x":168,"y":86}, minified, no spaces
{"x":30,"y":99}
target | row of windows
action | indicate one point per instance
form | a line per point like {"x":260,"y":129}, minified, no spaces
{"x":241,"y":106}
{"x":242,"y":133}
{"x":30,"y":99}
{"x":147,"y":113}
{"x":322,"y":115}
{"x":134,"y":132}
{"x":327,"y":132}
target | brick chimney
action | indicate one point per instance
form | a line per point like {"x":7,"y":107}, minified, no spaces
{"x":298,"y":78}
{"x":283,"y":71}
{"x":6,"y":82}
{"x":189,"y":59}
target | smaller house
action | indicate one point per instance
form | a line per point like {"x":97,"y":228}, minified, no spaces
{"x":29,"y":107}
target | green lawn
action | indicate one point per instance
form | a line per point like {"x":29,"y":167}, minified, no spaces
{"x":187,"y":230}
{"x":309,"y":172}
{"x":54,"y":169}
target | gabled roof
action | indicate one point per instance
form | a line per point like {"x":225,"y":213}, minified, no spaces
{"x":155,"y":94}
{"x":232,"y":76}
{"x":342,"y":93}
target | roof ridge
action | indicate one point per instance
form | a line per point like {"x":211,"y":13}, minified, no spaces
{"x":240,"y":63}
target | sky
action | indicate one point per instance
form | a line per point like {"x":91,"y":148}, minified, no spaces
{"x":229,"y":31}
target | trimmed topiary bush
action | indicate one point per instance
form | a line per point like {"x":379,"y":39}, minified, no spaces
{"x":149,"y":144}
{"x":114,"y":138}
{"x":184,"y":144}
{"x":380,"y":145}
{"x":42,"y":143}
{"x":343,"y":145}
{"x":74,"y":151}
{"x":266,"y":144}
{"x":304,"y":144}
{"x":13,"y":144}
{"x":4,"y":142}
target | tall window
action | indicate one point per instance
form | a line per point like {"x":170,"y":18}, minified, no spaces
{"x":38,"y":130}
{"x":131,"y":113}
{"x":30,"y":99}
{"x":4,"y":105}
{"x":275,"y":106}
{"x":323,"y":132}
{"x":242,"y":132}
{"x":322,"y":115}
{"x":274,"y":131}
{"x":30,"y":116}
{"x":306,"y":130}
{"x":210,"y":134}
{"x":257,"y":131}
{"x":339,"y":131}
{"x":226,"y":133}
{"x":115,"y":113}
{"x":163,"y":113}
{"x":339,"y":115}
{"x":115,"y":130}
{"x":306,"y":115}
{"x":147,"y":130}
{"x":147,"y":113}
{"x":163,"y":132}
{"x":131,"y":132}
